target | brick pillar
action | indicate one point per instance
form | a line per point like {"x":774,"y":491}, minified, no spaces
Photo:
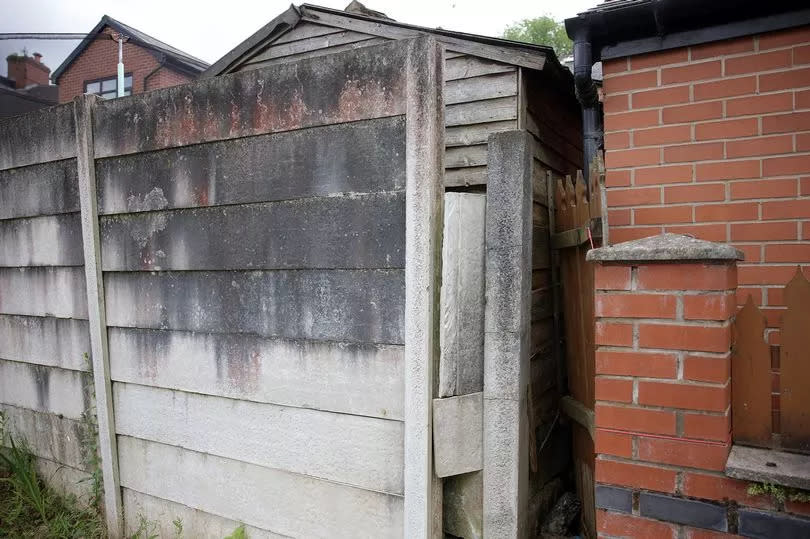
{"x":663,"y":307}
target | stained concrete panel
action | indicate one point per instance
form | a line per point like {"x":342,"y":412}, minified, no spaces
{"x":354,"y":378}
{"x":345,"y":231}
{"x":52,"y":240}
{"x":360,"y":451}
{"x":39,"y":136}
{"x":285,"y":503}
{"x":44,"y":389}
{"x":48,"y":436}
{"x":337,"y":88}
{"x":41,"y":189}
{"x":57,"y":342}
{"x":361,"y":157}
{"x":336,"y":305}
{"x":43,"y":291}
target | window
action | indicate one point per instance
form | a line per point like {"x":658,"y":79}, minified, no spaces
{"x":108,"y":88}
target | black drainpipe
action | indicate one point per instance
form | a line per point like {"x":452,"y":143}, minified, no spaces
{"x":588,"y":96}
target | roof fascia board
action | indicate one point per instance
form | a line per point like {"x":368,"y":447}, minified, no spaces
{"x":268,"y":33}
{"x":89,"y":38}
{"x":707,"y":34}
{"x":387,"y":29}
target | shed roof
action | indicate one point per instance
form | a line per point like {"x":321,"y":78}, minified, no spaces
{"x":513,"y":52}
{"x":174,"y":57}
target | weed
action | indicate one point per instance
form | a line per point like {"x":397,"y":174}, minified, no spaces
{"x":778,"y":493}
{"x":147,"y":529}
{"x":178,"y":527}
{"x":29,"y":509}
{"x":89,"y":442}
{"x":238,"y":533}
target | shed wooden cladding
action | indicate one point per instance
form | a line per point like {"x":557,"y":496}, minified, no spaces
{"x":771,"y":385}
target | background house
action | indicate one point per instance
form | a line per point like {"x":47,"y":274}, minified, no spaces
{"x":27,"y":86}
{"x":148,"y":63}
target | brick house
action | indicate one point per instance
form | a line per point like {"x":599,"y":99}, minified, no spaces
{"x":704,"y":117}
{"x":27,"y":85}
{"x":148,"y":63}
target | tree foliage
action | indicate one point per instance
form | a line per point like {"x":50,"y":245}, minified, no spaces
{"x":541,"y":31}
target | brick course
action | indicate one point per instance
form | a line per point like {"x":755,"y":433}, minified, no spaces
{"x":714,"y":140}
{"x":100,"y":60}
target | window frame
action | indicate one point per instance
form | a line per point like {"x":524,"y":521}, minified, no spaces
{"x":114,"y":78}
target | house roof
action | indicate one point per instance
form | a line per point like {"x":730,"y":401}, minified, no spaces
{"x":171,"y":56}
{"x":523,"y":54}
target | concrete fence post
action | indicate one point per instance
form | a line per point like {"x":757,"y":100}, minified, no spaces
{"x":85,"y":156}
{"x":507,"y":333}
{"x":424,"y":170}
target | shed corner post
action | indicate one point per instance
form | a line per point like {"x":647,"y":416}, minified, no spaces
{"x":507,"y":334}
{"x":83,"y":107}
{"x":424,"y":165}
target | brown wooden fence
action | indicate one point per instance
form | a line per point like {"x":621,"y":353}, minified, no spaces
{"x":578,"y":225}
{"x":771,"y":384}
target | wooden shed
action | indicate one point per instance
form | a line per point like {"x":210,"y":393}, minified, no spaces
{"x":491,"y":84}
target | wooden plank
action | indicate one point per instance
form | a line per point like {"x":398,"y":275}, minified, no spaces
{"x":467,"y":135}
{"x":306,"y":30}
{"x":463,"y":67}
{"x":278,"y":50}
{"x":333,"y":305}
{"x":461,"y":368}
{"x":580,"y":413}
{"x":750,"y":378}
{"x":281,"y":97}
{"x":359,"y":379}
{"x":353,"y":231}
{"x":480,"y":88}
{"x":43,"y":389}
{"x":492,"y":110}
{"x":316,"y":53}
{"x":42,"y":189}
{"x":51,"y":240}
{"x":360,"y":451}
{"x":795,"y":365}
{"x":56,"y":342}
{"x":273,"y":500}
{"x":37,"y":137}
{"x":43,"y":291}
{"x":361,"y":157}
{"x":466,"y":156}
{"x":465,"y":177}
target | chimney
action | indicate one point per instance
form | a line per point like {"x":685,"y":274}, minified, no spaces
{"x":26,"y":71}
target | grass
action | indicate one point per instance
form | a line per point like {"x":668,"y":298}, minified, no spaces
{"x":29,"y":509}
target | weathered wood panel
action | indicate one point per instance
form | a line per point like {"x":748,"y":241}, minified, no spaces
{"x":751,"y":378}
{"x":795,"y":365}
{"x":360,"y":451}
{"x":476,"y":112}
{"x":43,"y":291}
{"x":360,"y":379}
{"x":285,"y":503}
{"x":323,"y":41}
{"x":462,"y":67}
{"x":48,"y":436}
{"x":316,"y":53}
{"x":480,"y":88}
{"x":41,"y":189}
{"x":56,"y":342}
{"x":466,"y":156}
{"x":282,"y":97}
{"x":351,"y":231}
{"x":162,"y":514}
{"x":468,"y":135}
{"x":361,"y":157}
{"x":461,"y":365}
{"x":306,"y":30}
{"x":337,"y":305}
{"x":44,"y":389}
{"x":462,"y":177}
{"x":37,"y":137}
{"x":52,"y":240}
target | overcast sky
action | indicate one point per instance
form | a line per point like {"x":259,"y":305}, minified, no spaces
{"x":209,"y":29}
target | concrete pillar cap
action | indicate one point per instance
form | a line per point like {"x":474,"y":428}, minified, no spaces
{"x":665,"y":248}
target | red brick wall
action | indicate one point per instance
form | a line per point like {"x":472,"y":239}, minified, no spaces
{"x":100,"y":59}
{"x":26,"y":70}
{"x":663,"y":402}
{"x":714,"y":140}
